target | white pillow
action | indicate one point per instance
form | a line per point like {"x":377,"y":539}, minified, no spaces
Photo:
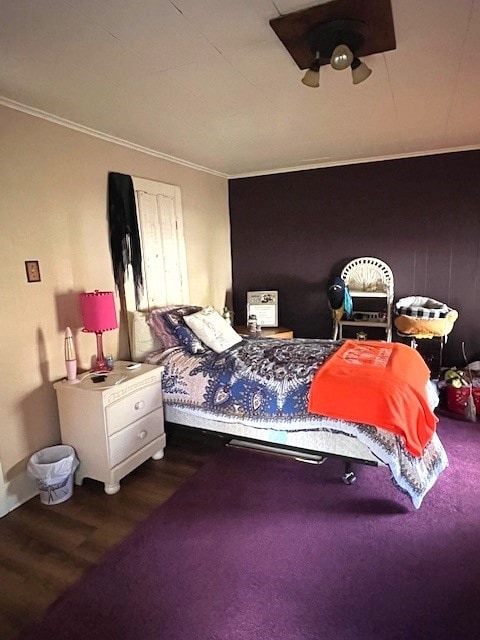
{"x":212,"y":329}
{"x":142,"y":338}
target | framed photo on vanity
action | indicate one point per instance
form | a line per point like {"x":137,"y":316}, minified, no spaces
{"x":263,"y":304}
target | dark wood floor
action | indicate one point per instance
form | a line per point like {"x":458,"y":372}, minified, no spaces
{"x":45,"y":549}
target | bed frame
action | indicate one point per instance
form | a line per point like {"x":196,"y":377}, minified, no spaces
{"x":309,"y":440}
{"x":307,"y":446}
{"x":310,"y":456}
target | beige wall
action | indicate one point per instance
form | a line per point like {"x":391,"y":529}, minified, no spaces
{"x":53,"y":190}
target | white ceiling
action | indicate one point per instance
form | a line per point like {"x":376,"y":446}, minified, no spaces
{"x":209,"y":82}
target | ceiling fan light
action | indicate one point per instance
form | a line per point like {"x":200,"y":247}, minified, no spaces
{"x":360,"y":71}
{"x":312,"y":76}
{"x":341,"y":57}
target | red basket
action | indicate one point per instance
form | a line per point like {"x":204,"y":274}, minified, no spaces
{"x":457,"y":398}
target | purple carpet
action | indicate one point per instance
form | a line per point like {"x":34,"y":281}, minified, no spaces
{"x":258,"y":547}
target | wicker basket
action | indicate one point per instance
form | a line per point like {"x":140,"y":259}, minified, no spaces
{"x":457,"y":398}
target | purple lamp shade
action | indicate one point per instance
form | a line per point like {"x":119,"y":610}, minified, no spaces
{"x":99,"y":315}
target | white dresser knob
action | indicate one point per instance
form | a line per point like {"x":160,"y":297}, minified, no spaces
{"x":142,"y":435}
{"x":140,"y":404}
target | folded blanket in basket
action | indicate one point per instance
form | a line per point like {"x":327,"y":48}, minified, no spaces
{"x":378,"y":383}
{"x":421,"y":307}
{"x":424,"y":317}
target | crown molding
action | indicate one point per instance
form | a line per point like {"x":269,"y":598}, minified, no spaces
{"x":341,"y":163}
{"x":38,"y":113}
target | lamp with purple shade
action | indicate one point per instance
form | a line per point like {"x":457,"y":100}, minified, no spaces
{"x":99,"y":315}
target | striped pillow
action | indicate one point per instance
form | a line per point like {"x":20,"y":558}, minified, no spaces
{"x":160,"y":327}
{"x":185,"y":336}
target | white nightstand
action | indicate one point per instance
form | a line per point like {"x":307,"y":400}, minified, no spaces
{"x":114,"y":425}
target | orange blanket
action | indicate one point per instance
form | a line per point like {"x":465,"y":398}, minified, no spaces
{"x":377,"y":383}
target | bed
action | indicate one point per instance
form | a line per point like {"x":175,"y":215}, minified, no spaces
{"x":256,"y":391}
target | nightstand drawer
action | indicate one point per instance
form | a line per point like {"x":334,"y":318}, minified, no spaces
{"x":132,"y":407}
{"x":126,"y":442}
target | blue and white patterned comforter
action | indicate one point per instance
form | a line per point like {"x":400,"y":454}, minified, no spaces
{"x":264,"y":383}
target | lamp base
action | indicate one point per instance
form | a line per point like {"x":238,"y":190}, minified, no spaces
{"x":101,"y":365}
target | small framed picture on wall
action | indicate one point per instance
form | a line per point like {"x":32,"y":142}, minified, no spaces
{"x":264,"y":305}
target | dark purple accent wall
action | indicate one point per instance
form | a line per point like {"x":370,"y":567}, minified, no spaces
{"x":293,"y":231}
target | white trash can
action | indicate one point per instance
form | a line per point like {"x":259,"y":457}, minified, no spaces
{"x":53,"y":469}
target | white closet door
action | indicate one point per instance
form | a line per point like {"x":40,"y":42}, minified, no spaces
{"x":160,"y":220}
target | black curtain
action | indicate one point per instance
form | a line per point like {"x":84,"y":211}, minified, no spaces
{"x":125,"y":245}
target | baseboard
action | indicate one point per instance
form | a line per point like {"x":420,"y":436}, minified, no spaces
{"x":16,"y":492}
{"x":3,"y":502}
